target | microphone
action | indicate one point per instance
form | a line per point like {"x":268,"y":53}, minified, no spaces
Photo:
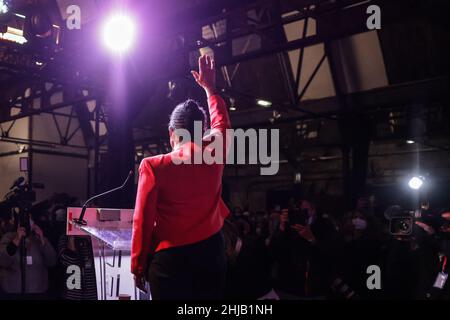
{"x":18,"y":183}
{"x":80,"y":220}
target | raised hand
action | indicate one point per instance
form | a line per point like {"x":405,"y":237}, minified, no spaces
{"x":206,"y":77}
{"x":304,"y":232}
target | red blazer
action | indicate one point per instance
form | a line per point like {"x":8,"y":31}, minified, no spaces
{"x":179,"y":204}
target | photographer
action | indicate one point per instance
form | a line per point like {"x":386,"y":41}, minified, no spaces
{"x":39,"y":255}
{"x":362,"y":248}
{"x":305,"y":249}
{"x":249,"y":265}
{"x":445,"y":256}
{"x":437,"y":286}
{"x":412,"y":263}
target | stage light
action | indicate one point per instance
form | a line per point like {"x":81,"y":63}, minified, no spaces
{"x":118,"y":33}
{"x":416,"y":182}
{"x":233,"y":104}
{"x":410,"y":141}
{"x":264,"y":103}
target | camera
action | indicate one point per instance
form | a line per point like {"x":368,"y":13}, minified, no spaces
{"x":402,"y":222}
{"x":20,"y":198}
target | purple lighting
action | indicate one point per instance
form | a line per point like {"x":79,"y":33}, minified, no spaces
{"x":118,"y":33}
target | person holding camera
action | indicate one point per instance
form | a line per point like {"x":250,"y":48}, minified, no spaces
{"x":28,"y":251}
{"x":304,"y":250}
{"x":437,"y":286}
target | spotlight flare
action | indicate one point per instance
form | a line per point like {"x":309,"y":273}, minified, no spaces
{"x":416,"y":183}
{"x":119,"y":33}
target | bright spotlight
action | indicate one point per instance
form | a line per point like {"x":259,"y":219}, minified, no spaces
{"x":118,"y":33}
{"x":416,"y":182}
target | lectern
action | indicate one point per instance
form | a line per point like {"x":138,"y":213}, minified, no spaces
{"x":110,"y":231}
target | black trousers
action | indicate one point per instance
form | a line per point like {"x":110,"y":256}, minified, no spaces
{"x":191,"y":272}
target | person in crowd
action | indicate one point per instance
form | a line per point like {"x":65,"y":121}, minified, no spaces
{"x":362,"y":249}
{"x":51,"y":215}
{"x":30,"y":251}
{"x":6,"y":226}
{"x":274,"y":219}
{"x":77,"y":250}
{"x":303,"y":248}
{"x":432,"y":251}
{"x":412,"y":263}
{"x":6,"y":220}
{"x":249,"y":264}
{"x":443,"y":291}
{"x":237,"y":212}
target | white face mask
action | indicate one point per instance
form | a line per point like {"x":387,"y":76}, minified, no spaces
{"x":360,"y":224}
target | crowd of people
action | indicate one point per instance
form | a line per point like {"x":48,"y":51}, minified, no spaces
{"x":306,"y":252}
{"x":299,"y":252}
{"x":35,"y":253}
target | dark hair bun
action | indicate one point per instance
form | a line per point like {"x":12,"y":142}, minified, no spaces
{"x":191,"y":105}
{"x":185,"y":115}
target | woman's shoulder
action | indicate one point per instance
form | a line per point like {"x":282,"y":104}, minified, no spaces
{"x":156,"y":163}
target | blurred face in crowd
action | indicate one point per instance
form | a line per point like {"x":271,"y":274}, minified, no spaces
{"x":60,"y":215}
{"x":43,"y":217}
{"x":310,"y":210}
{"x":309,"y":207}
{"x":238,"y":211}
{"x":354,"y":225}
{"x":6,"y":219}
{"x":291,"y":203}
{"x":362,"y":203}
{"x":244,"y":228}
{"x":7,"y":225}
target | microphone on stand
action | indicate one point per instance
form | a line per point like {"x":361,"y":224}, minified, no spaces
{"x":80,"y":220}
{"x":19,"y":182}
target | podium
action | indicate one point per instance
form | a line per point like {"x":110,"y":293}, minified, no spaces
{"x":110,"y":231}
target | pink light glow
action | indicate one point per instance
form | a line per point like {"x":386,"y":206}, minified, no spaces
{"x":118,"y":33}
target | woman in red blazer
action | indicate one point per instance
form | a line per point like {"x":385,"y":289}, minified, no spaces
{"x":179,"y":212}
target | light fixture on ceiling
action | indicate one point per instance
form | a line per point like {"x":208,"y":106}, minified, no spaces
{"x":118,"y":33}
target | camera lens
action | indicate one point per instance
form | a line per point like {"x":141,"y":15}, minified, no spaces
{"x":401,"y":226}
